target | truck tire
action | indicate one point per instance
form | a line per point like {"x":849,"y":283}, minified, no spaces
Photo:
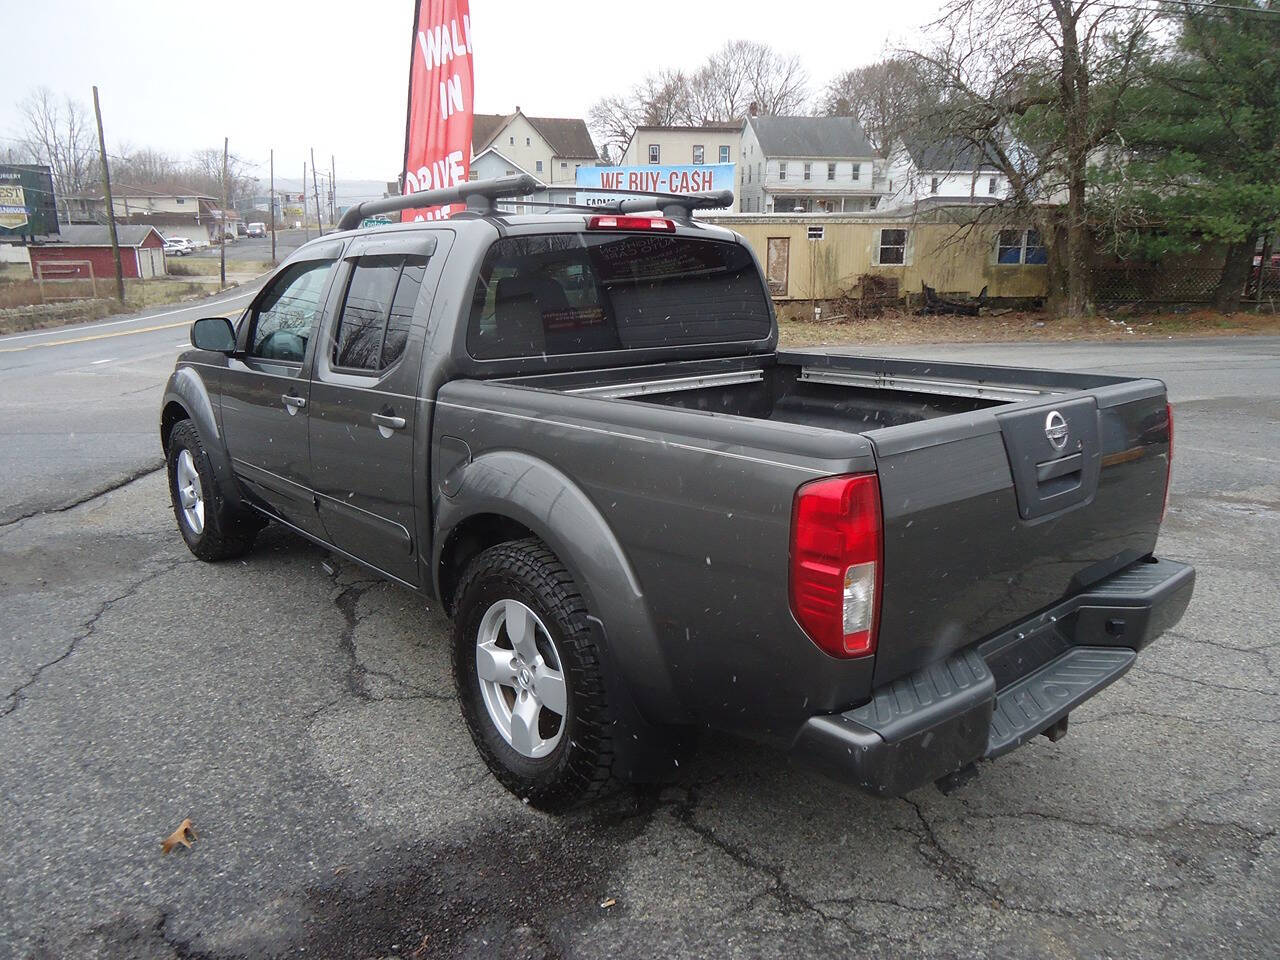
{"x":212,"y":529}
{"x":529,"y":677}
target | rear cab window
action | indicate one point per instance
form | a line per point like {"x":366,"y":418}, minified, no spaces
{"x":566,"y":293}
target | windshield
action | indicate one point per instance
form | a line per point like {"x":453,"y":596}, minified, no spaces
{"x":576,"y":293}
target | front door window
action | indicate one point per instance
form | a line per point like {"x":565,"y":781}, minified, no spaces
{"x":286,"y":315}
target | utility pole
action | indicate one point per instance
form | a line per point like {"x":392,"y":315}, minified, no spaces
{"x":315,"y":187}
{"x":333,"y":191}
{"x":106,"y":189}
{"x":273,"y":205}
{"x":303,"y":197}
{"x":222,"y":247}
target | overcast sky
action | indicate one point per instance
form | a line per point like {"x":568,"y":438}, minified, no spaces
{"x":295,"y":74}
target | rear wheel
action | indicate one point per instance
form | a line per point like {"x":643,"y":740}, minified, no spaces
{"x":529,"y":679}
{"x":212,"y":529}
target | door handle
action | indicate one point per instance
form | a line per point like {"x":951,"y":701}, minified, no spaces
{"x":293,"y":403}
{"x":388,"y":421}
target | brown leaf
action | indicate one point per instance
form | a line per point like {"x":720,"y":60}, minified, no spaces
{"x":179,"y":836}
{"x":606,"y":904}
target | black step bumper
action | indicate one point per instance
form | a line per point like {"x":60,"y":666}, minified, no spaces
{"x":987,"y":699}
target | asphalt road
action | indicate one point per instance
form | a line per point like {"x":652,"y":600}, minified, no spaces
{"x":302,"y":716}
{"x":79,"y":406}
{"x":258,"y":249}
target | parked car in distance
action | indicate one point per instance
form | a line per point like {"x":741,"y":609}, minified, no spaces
{"x":576,"y":434}
{"x":178,"y":246}
{"x":257,"y":229}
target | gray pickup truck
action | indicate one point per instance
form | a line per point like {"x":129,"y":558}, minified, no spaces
{"x":576,"y":432}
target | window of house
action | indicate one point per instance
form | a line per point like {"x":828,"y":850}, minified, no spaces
{"x":748,"y":174}
{"x":724,"y":154}
{"x":513,"y":140}
{"x":777,"y":265}
{"x":473,"y":175}
{"x":537,"y":166}
{"x":182,"y":199}
{"x":655,"y":153}
{"x":698,"y":153}
{"x":782,"y":169}
{"x":564,"y":164}
{"x":933,"y":185}
{"x":526,"y":142}
{"x":991,"y":185}
{"x":816,"y":233}
{"x":808,"y":171}
{"x":831,"y":171}
{"x":377,"y":311}
{"x":1020,"y":246}
{"x":857,"y":171}
{"x":893,"y":246}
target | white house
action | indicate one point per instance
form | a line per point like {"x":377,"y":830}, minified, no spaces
{"x":549,"y":148}
{"x":920,"y":169}
{"x":807,"y":164}
{"x":677,"y":146}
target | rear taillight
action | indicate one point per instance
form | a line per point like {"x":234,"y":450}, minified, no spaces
{"x":660,"y":224}
{"x":837,"y":563}
{"x":1168,"y":463}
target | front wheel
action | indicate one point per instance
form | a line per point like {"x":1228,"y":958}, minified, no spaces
{"x":208,"y":524}
{"x":529,"y":679}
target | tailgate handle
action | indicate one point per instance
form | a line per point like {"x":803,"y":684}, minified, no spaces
{"x":1052,"y":469}
{"x":1056,"y":477}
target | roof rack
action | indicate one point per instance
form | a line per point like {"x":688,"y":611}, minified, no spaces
{"x":481,"y":197}
{"x":677,"y":206}
{"x":478,"y":195}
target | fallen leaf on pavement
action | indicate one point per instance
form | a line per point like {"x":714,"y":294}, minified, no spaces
{"x":179,"y":836}
{"x":606,"y":904}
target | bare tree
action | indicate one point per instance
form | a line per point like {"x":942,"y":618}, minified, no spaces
{"x":886,"y":98}
{"x":1037,"y":85}
{"x":721,"y":90}
{"x":59,"y":134}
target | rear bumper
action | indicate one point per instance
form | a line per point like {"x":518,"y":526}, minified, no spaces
{"x":989,"y":698}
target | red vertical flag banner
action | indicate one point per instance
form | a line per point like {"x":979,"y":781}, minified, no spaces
{"x":437,"y":142}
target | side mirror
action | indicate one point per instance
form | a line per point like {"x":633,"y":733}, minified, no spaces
{"x":213,"y":333}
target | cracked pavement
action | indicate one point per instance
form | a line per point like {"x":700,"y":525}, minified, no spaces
{"x":302,"y":715}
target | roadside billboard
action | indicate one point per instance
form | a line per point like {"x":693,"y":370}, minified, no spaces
{"x":654,"y":178}
{"x":27,"y":204}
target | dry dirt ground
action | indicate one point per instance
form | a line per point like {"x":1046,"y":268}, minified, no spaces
{"x":903,"y":327}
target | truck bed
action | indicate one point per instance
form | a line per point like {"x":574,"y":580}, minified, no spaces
{"x":984,"y":522}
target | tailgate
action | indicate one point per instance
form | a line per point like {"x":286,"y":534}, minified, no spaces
{"x":993,"y":515}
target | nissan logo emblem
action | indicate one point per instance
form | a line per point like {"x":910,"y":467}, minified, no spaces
{"x":1055,"y":430}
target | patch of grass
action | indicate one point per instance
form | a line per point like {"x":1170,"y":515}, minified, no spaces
{"x":208,"y":266}
{"x":903,"y":327}
{"x":139,"y":294}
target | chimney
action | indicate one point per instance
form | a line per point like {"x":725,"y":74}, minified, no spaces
{"x":754,"y":108}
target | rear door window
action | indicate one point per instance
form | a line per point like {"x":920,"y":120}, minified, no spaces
{"x":376,"y":312}
{"x":577,"y":293}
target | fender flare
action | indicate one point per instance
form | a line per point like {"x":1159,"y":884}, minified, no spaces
{"x":540,"y":497}
{"x":187,"y":389}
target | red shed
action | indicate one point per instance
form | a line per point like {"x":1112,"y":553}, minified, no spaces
{"x":141,"y":252}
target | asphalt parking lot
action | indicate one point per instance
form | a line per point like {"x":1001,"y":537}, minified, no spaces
{"x":302,"y":716}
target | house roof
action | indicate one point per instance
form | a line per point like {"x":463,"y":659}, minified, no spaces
{"x":567,"y":136}
{"x":694,"y":128}
{"x":834,"y":137}
{"x":141,"y":193}
{"x":948,"y":154}
{"x":97,"y":235}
